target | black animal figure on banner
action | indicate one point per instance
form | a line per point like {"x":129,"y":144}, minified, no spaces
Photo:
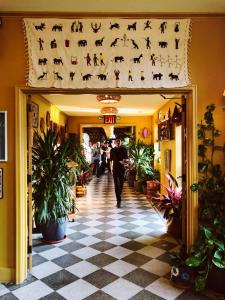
{"x":40,"y":27}
{"x":148,"y":43}
{"x":137,"y":60}
{"x":41,"y":42}
{"x":117,"y":59}
{"x":98,"y":43}
{"x":147,"y":25}
{"x":86,"y":77}
{"x":162,"y":27}
{"x":72,"y":74}
{"x":117,"y":74}
{"x":101,"y":59}
{"x":134,"y":44}
{"x":114,"y":25}
{"x":73,"y":60}
{"x":57,"y":61}
{"x":95,"y":27}
{"x":177,"y":43}
{"x":43,"y":76}
{"x":114,"y":43}
{"x":82,"y":43}
{"x":57,"y":76}
{"x":174,"y":76}
{"x":157,"y":76}
{"x":102,"y":76}
{"x":42,"y":61}
{"x":53,"y":44}
{"x":142,"y":76}
{"x":163,"y":44}
{"x":57,"y":27}
{"x":177,"y":27}
{"x":132,"y":26}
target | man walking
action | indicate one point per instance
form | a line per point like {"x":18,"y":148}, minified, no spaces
{"x":118,"y":157}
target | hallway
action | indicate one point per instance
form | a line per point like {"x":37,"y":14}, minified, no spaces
{"x":110,"y":253}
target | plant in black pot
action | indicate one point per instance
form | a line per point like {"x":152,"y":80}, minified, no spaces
{"x":207,"y":256}
{"x":52,"y":193}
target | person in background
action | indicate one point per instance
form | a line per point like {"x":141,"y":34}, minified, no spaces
{"x":118,"y":158}
{"x":103,"y":158}
{"x":108,"y":149}
{"x":96,"y":159}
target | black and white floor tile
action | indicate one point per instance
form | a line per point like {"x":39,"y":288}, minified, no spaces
{"x":109,"y":253}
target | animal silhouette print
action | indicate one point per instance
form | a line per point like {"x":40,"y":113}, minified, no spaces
{"x":88,"y":59}
{"x":57,"y":76}
{"x":72,"y":74}
{"x":132,"y":26}
{"x":95,"y":27}
{"x":173,"y":76}
{"x":98,"y":43}
{"x":57,"y":61}
{"x":157,"y":76}
{"x":43,"y":76}
{"x":142,"y":76}
{"x":77,"y":26}
{"x":163,"y":44}
{"x":137,"y":60}
{"x":114,"y":43}
{"x":177,"y":43}
{"x":114,"y":25}
{"x":176,"y":27}
{"x":118,"y":59}
{"x":41,"y":42}
{"x":134,"y":44}
{"x":42,"y":61}
{"x":86,"y":77}
{"x":82,"y":43}
{"x":102,"y":76}
{"x":73,"y":60}
{"x":57,"y":27}
{"x":148,"y":43}
{"x":40,"y":26}
{"x":130,"y":78}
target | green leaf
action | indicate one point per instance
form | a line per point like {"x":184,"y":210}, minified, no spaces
{"x":218,"y":263}
{"x":220,"y":244}
{"x":218,"y":254}
{"x":208,"y":141}
{"x":207,"y":232}
{"x":192,"y":261}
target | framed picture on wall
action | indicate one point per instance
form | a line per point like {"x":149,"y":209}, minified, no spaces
{"x":167,"y":155}
{"x":35,"y":114}
{"x":3,"y":136}
{"x":1,"y":183}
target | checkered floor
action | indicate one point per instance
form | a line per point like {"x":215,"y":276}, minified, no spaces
{"x":110,"y":253}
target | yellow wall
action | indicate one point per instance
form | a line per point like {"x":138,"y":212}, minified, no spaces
{"x":207,"y":67}
{"x":55,"y":114}
{"x":139,"y":122}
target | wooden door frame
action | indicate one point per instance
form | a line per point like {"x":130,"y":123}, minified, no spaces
{"x":21,"y":159}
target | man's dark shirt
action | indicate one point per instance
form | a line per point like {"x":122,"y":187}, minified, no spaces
{"x":116,"y":155}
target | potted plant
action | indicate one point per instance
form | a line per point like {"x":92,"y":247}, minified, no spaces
{"x":207,"y":256}
{"x":170,"y":204}
{"x":142,"y":156}
{"x":52,"y":193}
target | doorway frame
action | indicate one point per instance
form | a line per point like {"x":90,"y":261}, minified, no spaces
{"x":21,"y":93}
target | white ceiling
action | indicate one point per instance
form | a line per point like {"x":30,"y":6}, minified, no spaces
{"x":146,"y":6}
{"x":87,"y":105}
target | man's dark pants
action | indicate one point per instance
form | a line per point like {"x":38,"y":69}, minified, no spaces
{"x":118,"y":185}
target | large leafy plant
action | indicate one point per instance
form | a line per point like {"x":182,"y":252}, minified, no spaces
{"x":52,"y":192}
{"x":142,"y":156}
{"x":209,"y":248}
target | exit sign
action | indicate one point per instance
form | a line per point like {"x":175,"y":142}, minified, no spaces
{"x":111,"y":119}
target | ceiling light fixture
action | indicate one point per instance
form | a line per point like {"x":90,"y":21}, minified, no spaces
{"x":109,"y":111}
{"x":108,"y":99}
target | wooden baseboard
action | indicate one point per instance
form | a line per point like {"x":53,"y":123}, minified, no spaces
{"x":7,"y":275}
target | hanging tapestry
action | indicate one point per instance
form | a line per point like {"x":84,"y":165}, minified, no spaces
{"x":107,"y":53}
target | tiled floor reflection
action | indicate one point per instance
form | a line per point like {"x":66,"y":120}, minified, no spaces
{"x":109,"y":253}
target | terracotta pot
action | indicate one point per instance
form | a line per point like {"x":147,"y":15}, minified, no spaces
{"x":153,"y":185}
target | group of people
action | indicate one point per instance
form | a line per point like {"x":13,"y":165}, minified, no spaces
{"x":105,"y":156}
